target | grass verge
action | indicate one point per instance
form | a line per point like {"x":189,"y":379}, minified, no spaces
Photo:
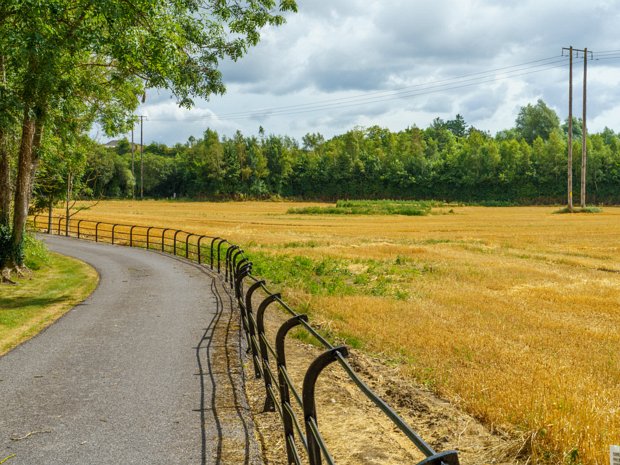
{"x":56,"y":285}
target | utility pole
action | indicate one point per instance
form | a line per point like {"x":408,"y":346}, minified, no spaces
{"x":133,"y":171}
{"x":141,"y":157}
{"x":584,"y":132}
{"x":570,"y":128}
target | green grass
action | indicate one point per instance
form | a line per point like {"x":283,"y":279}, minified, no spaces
{"x":579,"y":210}
{"x":371,"y":207}
{"x":36,"y":254}
{"x":392,"y":207}
{"x":56,"y":284}
{"x":338,"y":277}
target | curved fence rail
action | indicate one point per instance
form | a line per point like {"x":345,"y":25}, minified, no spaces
{"x":302,"y":434}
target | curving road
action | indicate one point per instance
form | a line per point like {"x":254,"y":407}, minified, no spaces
{"x":145,"y":371}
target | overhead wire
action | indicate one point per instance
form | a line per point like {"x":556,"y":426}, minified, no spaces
{"x":416,"y":90}
{"x":612,"y":57}
{"x":426,"y":91}
{"x":405,"y":88}
{"x":605,"y":52}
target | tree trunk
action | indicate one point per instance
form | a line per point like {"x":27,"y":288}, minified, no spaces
{"x":68,"y":203}
{"x":5,"y":175}
{"x":5,"y":181}
{"x":50,"y":207}
{"x":22,"y":190}
{"x":36,"y":155}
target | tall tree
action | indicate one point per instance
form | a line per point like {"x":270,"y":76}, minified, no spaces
{"x":457,"y":126}
{"x":104,"y":53}
{"x":536,"y":120}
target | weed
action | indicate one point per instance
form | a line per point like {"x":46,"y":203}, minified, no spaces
{"x":36,"y":254}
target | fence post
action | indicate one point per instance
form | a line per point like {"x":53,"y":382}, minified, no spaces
{"x":239,"y":275}
{"x":285,"y":396}
{"x":229,"y":252}
{"x":260,"y":326}
{"x":163,"y":239}
{"x":235,"y":265}
{"x":248,"y":304}
{"x":315,"y":369}
{"x":59,"y":221}
{"x":78,"y":228}
{"x":113,"y":228}
{"x":241,"y":264}
{"x":174,"y":245}
{"x":219,"y":245}
{"x":200,"y":251}
{"x":212,"y":245}
{"x":131,"y":236}
{"x":148,"y":240}
{"x":251,"y":329}
{"x":187,"y":244}
{"x":97,"y":231}
{"x":231,"y":264}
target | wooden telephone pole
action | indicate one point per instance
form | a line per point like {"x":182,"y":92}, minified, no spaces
{"x":570,"y":128}
{"x":584,"y":131}
{"x":141,"y":156}
{"x":584,"y":155}
{"x":133,"y":171}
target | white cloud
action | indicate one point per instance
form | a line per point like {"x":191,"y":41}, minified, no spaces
{"x":339,"y":49}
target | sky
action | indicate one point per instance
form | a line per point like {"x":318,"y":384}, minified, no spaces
{"x":341,"y":64}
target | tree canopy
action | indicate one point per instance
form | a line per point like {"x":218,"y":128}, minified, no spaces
{"x":67,"y":63}
{"x":438,"y":162}
{"x":536,"y":121}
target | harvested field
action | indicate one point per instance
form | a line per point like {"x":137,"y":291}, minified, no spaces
{"x":512,"y":314}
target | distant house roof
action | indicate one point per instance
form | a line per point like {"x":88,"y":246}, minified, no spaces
{"x":112,"y":143}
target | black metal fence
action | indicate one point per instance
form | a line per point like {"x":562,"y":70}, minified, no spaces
{"x":302,"y":435}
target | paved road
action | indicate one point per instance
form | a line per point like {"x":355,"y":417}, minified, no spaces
{"x":128,"y":376}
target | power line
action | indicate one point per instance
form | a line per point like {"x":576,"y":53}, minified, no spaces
{"x":613,"y":57}
{"x":605,"y":52}
{"x":405,"y":92}
{"x":417,"y":89}
{"x":428,"y":91}
{"x":406,"y":88}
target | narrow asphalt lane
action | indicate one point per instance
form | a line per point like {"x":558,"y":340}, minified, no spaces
{"x":125,"y":377}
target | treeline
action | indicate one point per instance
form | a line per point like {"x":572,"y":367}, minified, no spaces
{"x":448,"y":160}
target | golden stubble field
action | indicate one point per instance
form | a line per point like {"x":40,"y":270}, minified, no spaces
{"x":511,"y":313}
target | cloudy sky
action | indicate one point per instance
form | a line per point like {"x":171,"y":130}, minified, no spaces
{"x":338,"y":64}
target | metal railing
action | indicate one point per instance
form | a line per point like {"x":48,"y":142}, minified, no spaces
{"x":302,"y":436}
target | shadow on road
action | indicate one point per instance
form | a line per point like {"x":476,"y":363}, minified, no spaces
{"x":225,"y":431}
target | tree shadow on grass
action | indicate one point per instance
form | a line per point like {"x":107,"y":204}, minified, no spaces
{"x":12,"y":303}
